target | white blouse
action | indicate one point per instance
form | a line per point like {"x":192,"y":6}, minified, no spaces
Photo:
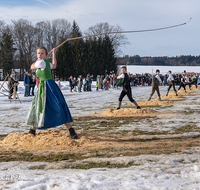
{"x":42,"y":65}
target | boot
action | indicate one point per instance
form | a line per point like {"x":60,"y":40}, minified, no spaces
{"x":176,"y":94}
{"x":159,"y":98}
{"x":73,"y":133}
{"x":149,"y":98}
{"x":138,"y":107}
{"x":32,"y":131}
{"x":119,"y":106}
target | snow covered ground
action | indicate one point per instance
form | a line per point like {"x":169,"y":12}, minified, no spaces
{"x":174,"y":172}
{"x":153,"y":172}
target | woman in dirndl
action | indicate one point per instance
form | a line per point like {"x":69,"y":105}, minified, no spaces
{"x":48,"y":108}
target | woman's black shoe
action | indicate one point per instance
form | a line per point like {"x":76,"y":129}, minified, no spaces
{"x":73,"y":133}
{"x":32,"y":131}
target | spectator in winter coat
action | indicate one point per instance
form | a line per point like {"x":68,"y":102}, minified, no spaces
{"x":80,"y":83}
{"x":29,"y":84}
{"x":26,"y":83}
{"x":84,"y":84}
{"x":90,"y":81}
{"x":71,"y":83}
{"x":32,"y":86}
{"x":11,"y":84}
{"x":16,"y":84}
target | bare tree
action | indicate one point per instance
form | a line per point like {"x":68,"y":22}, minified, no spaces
{"x":118,"y":40}
{"x":24,"y":34}
{"x":55,"y":31}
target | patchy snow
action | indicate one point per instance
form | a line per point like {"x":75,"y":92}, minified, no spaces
{"x":164,"y":172}
{"x":174,"y":172}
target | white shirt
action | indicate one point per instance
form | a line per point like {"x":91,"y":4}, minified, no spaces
{"x":159,"y":79}
{"x":187,"y":79}
{"x":42,"y":65}
{"x":170,"y":78}
{"x":121,"y":76}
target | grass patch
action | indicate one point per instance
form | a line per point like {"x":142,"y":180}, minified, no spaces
{"x":29,"y":157}
{"x":187,"y":128}
{"x":104,"y":165}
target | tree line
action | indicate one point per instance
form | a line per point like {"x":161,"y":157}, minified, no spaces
{"x":183,"y":60}
{"x":20,"y":39}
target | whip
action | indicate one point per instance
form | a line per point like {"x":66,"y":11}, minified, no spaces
{"x":120,"y":32}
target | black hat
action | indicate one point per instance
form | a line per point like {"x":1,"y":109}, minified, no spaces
{"x":157,"y":70}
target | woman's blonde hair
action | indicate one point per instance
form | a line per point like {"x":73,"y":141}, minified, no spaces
{"x":43,"y":49}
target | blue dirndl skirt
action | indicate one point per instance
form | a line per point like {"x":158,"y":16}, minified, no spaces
{"x":55,"y":111}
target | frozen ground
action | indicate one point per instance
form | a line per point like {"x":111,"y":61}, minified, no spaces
{"x":175,"y":172}
{"x":152,"y":172}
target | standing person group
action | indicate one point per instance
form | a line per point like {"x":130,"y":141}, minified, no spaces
{"x":29,"y":83}
{"x":183,"y":80}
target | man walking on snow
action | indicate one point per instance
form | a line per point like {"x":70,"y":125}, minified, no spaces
{"x":155,"y":86}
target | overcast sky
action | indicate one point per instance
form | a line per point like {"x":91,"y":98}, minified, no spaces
{"x":129,"y":14}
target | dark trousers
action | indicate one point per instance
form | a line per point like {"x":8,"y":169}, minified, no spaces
{"x":128,"y":93}
{"x":71,"y":86}
{"x":32,"y":87}
{"x":181,"y":85}
{"x":171,"y":84}
{"x":194,"y":82}
{"x":26,"y":90}
{"x":189,"y":84}
{"x":155,"y":88}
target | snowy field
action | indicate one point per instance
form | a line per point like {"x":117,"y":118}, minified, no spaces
{"x":163,"y":172}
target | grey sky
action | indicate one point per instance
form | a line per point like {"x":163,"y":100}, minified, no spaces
{"x":129,"y":14}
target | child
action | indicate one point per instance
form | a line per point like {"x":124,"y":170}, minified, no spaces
{"x":97,"y":86}
{"x":156,"y":81}
{"x":171,"y":83}
{"x":48,"y":108}
{"x":126,"y":88}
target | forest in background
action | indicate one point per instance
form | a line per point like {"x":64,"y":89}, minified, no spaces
{"x":20,"y":39}
{"x":183,"y":60}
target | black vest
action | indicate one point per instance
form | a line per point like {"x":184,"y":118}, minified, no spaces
{"x":126,"y":82}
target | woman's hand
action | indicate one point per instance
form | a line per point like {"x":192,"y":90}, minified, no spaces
{"x":54,"y":50}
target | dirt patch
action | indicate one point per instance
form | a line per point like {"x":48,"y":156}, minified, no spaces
{"x":56,"y":144}
{"x":171,"y":96}
{"x":153,"y":103}
{"x":111,"y":112}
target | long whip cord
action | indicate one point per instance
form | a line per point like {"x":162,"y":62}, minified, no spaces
{"x":120,"y":32}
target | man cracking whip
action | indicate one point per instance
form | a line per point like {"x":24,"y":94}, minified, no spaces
{"x":155,"y":86}
{"x":126,"y":88}
{"x":171,"y":82}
